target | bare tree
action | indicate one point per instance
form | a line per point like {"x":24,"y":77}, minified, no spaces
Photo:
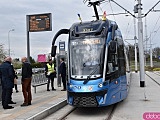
{"x":2,"y":53}
{"x":156,"y":52}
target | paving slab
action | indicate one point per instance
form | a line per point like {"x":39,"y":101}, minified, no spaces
{"x":43,"y":102}
{"x":139,"y":100}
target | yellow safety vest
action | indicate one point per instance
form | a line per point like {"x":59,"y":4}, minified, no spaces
{"x":50,"y":68}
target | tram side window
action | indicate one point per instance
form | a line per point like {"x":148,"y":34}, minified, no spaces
{"x":112,"y":65}
{"x":121,"y":60}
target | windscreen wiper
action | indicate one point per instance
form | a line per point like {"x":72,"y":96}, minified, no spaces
{"x":90,"y":75}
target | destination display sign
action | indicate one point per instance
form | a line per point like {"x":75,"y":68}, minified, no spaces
{"x":40,"y":22}
{"x":89,"y":27}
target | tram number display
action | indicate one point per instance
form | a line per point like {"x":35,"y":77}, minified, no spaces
{"x":40,"y":22}
{"x":88,"y":28}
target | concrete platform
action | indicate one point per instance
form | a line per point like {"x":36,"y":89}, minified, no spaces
{"x":44,"y":102}
{"x":140,"y":100}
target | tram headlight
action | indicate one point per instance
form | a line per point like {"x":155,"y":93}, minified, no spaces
{"x":100,"y":85}
{"x":70,"y":86}
{"x":79,"y":87}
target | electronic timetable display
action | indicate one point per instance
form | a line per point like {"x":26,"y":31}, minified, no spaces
{"x":39,"y":22}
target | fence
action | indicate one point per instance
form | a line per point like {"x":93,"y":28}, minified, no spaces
{"x":38,"y":80}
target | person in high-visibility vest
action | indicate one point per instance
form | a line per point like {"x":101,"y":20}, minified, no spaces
{"x":50,"y":74}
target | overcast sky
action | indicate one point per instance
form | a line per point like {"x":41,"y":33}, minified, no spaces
{"x":64,"y":14}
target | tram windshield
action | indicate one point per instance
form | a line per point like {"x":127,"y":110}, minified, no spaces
{"x":86,"y":58}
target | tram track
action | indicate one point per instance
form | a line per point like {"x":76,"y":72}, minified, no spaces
{"x":84,"y":113}
{"x":112,"y":112}
{"x":102,"y":113}
{"x":158,"y":74}
{"x":69,"y":112}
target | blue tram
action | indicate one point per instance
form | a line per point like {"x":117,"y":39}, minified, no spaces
{"x":98,"y":64}
{"x":98,"y":67}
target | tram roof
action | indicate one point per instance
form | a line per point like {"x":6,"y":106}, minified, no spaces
{"x":91,"y":26}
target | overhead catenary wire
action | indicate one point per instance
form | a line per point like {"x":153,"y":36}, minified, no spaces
{"x":128,"y":28}
{"x":156,"y":32}
{"x":127,"y":42}
{"x":95,"y":4}
{"x":112,"y":11}
{"x":123,"y":8}
{"x":151,"y":9}
{"x":101,"y":8}
{"x":104,"y":1}
{"x":156,"y":23}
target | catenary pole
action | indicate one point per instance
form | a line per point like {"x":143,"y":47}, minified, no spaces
{"x":135,"y":45}
{"x":140,"y":37}
{"x":146,"y":39}
{"x":140,"y":44}
{"x":151,"y":59}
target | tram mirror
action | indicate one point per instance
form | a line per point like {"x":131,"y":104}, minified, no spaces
{"x":113,"y":46}
{"x":53,"y":51}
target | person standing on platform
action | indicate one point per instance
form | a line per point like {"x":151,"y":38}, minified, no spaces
{"x":7,"y":76}
{"x":26,"y":81}
{"x":50,"y":73}
{"x":62,"y":73}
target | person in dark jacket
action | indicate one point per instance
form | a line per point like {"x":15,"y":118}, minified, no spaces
{"x":62,"y":73}
{"x":26,"y":81}
{"x":50,"y":73}
{"x":7,"y":76}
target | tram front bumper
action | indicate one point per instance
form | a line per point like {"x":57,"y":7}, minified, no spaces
{"x":87,"y":99}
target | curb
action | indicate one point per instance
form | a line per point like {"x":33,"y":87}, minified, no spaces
{"x":48,"y":111}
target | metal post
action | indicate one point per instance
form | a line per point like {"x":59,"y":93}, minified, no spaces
{"x":9,"y":50}
{"x":135,"y":45}
{"x":28,"y":47}
{"x":151,"y":60}
{"x":140,"y":44}
{"x":58,"y":77}
{"x":146,"y":41}
{"x":28,"y":44}
{"x":136,"y":57}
